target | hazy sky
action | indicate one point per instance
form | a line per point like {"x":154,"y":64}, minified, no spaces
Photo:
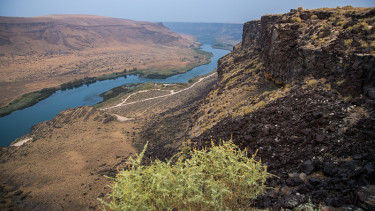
{"x":224,"y":11}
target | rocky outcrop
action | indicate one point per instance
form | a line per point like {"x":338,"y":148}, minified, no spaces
{"x":290,"y":52}
{"x":299,"y":90}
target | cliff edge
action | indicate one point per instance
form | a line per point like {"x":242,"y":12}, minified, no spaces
{"x":299,"y":90}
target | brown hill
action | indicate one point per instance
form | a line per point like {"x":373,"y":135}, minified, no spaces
{"x":54,"y":34}
{"x":46,"y":51}
{"x":64,"y":170}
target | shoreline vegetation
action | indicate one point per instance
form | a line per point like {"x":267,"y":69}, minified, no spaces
{"x":32,"y":98}
{"x":115,"y":93}
{"x":223,"y":46}
{"x":203,"y":58}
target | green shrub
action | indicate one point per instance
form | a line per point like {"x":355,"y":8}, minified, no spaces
{"x":313,"y":82}
{"x":349,"y":7}
{"x":348,"y":42}
{"x":220,"y":178}
{"x":296,"y":19}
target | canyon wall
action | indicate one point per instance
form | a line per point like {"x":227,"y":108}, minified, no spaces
{"x":287,"y":45}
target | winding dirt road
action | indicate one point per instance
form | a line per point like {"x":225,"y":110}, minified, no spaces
{"x":171,"y":92}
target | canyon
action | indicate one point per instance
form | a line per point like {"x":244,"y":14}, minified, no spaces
{"x":47,"y":51}
{"x":298,"y":91}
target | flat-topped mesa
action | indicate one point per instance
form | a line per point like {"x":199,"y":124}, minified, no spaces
{"x":335,"y":44}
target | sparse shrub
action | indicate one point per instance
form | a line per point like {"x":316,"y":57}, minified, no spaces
{"x":340,"y":82}
{"x":341,"y":23}
{"x":313,"y":82}
{"x":322,"y":27}
{"x":322,"y":41}
{"x":314,"y":17}
{"x":328,"y":86}
{"x":300,"y":9}
{"x":357,"y":27}
{"x":364,"y":45}
{"x":296,"y":19}
{"x":365,"y":26}
{"x":347,"y":98}
{"x":348,"y":42}
{"x":332,"y":19}
{"x":347,"y":7}
{"x":220,"y":178}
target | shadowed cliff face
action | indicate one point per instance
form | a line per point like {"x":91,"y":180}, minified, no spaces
{"x":299,"y":89}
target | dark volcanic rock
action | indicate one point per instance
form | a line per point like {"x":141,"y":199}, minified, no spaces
{"x":307,"y":167}
{"x":366,"y":196}
{"x":323,"y":126}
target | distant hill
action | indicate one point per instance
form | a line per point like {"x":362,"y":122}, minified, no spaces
{"x":65,"y":33}
{"x":209,"y":32}
{"x":46,"y":51}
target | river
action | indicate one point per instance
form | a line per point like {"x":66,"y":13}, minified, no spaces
{"x":19,"y":122}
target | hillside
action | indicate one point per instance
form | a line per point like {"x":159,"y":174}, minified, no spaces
{"x":46,"y":51}
{"x":300,"y":90}
{"x":62,"y":167}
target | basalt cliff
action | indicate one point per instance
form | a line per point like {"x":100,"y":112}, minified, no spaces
{"x":300,"y":91}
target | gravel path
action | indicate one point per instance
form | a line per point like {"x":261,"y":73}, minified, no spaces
{"x":171,"y":92}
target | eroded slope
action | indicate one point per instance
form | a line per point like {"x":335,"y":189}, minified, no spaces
{"x":63,"y":166}
{"x":301,"y":95}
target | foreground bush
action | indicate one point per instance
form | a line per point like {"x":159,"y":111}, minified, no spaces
{"x":222,"y":177}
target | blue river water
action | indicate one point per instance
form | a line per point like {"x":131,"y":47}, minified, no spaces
{"x":19,"y":122}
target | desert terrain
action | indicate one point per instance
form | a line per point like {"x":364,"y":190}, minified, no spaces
{"x":310,"y":120}
{"x":46,"y":51}
{"x":63,"y":166}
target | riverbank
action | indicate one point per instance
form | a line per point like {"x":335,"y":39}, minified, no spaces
{"x":159,"y":89}
{"x":33,"y":98}
{"x":27,"y":100}
{"x":18,"y":123}
{"x":82,"y":140}
{"x":203,"y":57}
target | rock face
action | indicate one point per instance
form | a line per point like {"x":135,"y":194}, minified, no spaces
{"x":299,"y":91}
{"x":291,"y":52}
